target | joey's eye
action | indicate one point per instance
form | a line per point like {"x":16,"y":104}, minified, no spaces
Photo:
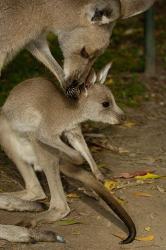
{"x":106,"y":104}
{"x":84,"y":53}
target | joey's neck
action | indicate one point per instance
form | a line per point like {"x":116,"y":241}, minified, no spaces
{"x":62,"y":114}
{"x":74,"y":116}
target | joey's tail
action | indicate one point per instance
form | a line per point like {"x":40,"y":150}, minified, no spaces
{"x":91,"y":182}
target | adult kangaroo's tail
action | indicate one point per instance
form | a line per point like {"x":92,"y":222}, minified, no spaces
{"x":90,"y":181}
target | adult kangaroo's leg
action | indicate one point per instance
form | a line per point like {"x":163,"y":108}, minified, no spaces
{"x":9,"y":142}
{"x":39,"y":48}
{"x":50,"y":164}
{"x":76,"y":139}
{"x":25,"y":235}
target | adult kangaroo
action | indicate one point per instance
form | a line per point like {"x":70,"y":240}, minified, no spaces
{"x":83,"y":28}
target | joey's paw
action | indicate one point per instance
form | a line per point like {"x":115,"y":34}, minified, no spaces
{"x":78,"y":159}
{"x":73,"y":92}
{"x":99,"y":176}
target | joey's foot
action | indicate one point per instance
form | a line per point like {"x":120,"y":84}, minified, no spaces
{"x":28,"y":195}
{"x":49,"y":216}
{"x":12,"y":203}
{"x":99,"y":176}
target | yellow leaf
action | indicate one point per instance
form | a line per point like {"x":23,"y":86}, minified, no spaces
{"x":142,"y":194}
{"x":148,"y":176}
{"x":145,"y":238}
{"x":73,"y":196}
{"x":66,"y":222}
{"x":121,"y":201}
{"x":110,"y":185}
{"x":147,"y":229}
{"x":76,"y":233}
{"x":129,"y":124}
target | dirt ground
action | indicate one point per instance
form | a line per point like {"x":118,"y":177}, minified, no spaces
{"x":145,"y":140}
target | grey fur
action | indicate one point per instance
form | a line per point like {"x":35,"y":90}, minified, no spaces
{"x":30,"y":130}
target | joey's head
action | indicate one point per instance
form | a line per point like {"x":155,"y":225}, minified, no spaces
{"x":97,"y":101}
{"x":84,"y":44}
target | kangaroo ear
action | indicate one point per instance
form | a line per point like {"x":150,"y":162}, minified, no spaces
{"x":131,"y":8}
{"x":102,"y":75}
{"x":101,"y":13}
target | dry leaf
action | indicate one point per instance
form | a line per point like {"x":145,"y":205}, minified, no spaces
{"x":67,"y":222}
{"x":160,"y":189}
{"x":73,"y":196}
{"x":123,"y":151}
{"x":125,"y":175}
{"x":134,"y":174}
{"x":148,"y":176}
{"x":120,"y":200}
{"x":145,"y":238}
{"x":101,"y":165}
{"x":142,"y":194}
{"x":129,"y":124}
{"x":76,"y":233}
{"x":147,"y":229}
{"x":110,"y":185}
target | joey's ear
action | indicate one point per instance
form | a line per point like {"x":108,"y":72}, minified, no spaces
{"x":91,"y":78}
{"x":101,"y":13}
{"x":102,"y":75}
{"x":131,"y":8}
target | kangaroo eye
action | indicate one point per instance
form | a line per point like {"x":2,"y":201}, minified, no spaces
{"x":84,"y":53}
{"x":106,"y":104}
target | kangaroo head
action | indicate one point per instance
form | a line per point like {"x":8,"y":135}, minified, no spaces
{"x":80,"y":48}
{"x":82,"y":45}
{"x":97,"y":101}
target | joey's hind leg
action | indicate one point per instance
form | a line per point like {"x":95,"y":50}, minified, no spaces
{"x":76,"y":139}
{"x":10,"y":143}
{"x":33,"y":190}
{"x":58,"y":208}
